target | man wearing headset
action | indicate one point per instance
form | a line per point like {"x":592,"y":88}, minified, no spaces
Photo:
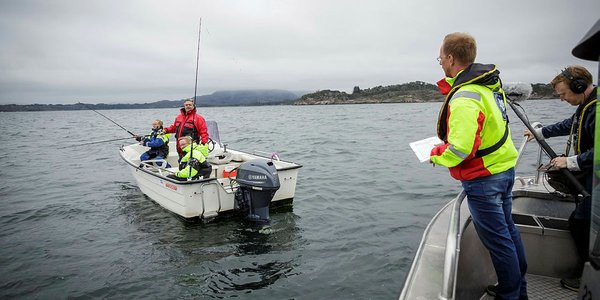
{"x":574,"y":86}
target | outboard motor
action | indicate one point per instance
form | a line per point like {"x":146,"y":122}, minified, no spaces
{"x":258,"y":182}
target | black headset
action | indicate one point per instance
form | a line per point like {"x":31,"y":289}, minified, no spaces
{"x":577,"y":84}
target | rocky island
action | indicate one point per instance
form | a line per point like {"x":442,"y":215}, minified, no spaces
{"x":412,"y":92}
{"x":417,"y":91}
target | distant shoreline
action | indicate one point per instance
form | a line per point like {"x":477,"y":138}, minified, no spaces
{"x":412,"y":92}
{"x":24,"y":108}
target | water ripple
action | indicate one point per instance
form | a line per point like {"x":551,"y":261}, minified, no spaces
{"x":73,"y":223}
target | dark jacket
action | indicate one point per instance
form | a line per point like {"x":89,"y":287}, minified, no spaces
{"x":584,"y":120}
{"x":585,"y":124}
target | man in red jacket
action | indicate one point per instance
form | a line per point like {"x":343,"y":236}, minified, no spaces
{"x":189,"y":123}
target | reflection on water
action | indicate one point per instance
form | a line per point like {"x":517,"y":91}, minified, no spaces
{"x":221,"y":257}
{"x":256,"y":277}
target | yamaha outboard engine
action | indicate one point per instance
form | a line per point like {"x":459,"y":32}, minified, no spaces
{"x":258,"y":182}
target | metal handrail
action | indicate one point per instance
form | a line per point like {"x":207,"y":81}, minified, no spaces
{"x":540,"y":152}
{"x":538,"y":175}
{"x":163,"y":167}
{"x":452,"y":250}
{"x":521,"y":150}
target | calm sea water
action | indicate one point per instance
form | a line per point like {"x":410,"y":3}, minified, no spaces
{"x":73,"y":224}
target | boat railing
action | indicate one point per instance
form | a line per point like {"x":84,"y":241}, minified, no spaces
{"x":158,"y":165}
{"x":452,"y":249}
{"x":454,"y":233}
{"x":538,"y":174}
{"x":271,"y":155}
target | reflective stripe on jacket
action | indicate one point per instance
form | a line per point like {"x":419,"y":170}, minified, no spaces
{"x":473,"y":117}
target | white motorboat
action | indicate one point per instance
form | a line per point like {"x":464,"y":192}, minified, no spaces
{"x":208,"y":198}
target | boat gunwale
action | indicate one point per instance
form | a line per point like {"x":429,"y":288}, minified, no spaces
{"x":194,"y":181}
{"x":419,"y":253}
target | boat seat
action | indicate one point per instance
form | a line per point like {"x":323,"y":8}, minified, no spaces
{"x":223,"y":158}
{"x":549,"y":246}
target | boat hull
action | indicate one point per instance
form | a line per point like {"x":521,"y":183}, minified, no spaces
{"x":204,"y":198}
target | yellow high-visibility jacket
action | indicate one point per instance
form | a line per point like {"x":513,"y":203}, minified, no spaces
{"x":187,"y":169}
{"x":473,"y":124}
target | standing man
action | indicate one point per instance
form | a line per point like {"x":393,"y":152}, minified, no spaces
{"x":189,"y":123}
{"x":574,"y":86}
{"x":478,"y":150}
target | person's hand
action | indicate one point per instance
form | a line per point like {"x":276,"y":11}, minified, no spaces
{"x":559,"y":162}
{"x":138,"y":138}
{"x":529,"y":135}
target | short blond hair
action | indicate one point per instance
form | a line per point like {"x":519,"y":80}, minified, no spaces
{"x":461,"y":46}
{"x":187,"y":138}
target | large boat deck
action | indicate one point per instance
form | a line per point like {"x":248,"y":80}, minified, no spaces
{"x":540,"y":214}
{"x":542,"y":288}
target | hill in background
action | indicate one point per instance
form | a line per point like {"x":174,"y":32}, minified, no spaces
{"x":246,"y":97}
{"x":220,"y":98}
{"x":412,"y":92}
{"x":417,"y":91}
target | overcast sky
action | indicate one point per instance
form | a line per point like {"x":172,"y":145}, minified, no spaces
{"x":124,"y":51}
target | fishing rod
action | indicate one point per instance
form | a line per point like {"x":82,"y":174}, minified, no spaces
{"x":513,"y":92}
{"x":132,"y":134}
{"x":194,"y":131}
{"x":197,"y":62}
{"x":98,"y":142}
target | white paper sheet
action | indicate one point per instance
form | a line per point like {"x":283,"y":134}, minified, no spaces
{"x":422,"y":148}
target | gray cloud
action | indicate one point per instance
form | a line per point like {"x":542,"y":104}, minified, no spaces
{"x":143,"y":51}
